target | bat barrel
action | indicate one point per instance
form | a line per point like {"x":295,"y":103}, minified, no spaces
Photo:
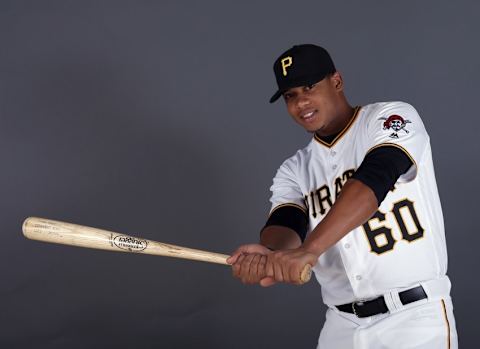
{"x":66,"y":233}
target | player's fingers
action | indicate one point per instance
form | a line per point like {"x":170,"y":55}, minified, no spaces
{"x":294,"y":274}
{"x":235,"y":254}
{"x":261,"y":267}
{"x":241,"y":268}
{"x":247,"y":249}
{"x":236,"y":268}
{"x":285,"y":273}
{"x":253,"y":274}
{"x":232,"y":259}
{"x":267,"y":282}
{"x":286,"y":266}
{"x":269,"y":267}
{"x":278,"y":272}
{"x":294,"y":269}
{"x":245,"y":268}
{"x":274,"y":268}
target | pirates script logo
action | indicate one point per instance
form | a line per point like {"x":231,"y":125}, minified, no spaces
{"x":395,"y":123}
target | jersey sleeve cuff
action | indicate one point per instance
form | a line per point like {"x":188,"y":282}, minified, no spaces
{"x":291,"y":216}
{"x":289,"y":204}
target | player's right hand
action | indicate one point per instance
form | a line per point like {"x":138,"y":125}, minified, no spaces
{"x":248,"y":263}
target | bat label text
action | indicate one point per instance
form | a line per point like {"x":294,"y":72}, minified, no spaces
{"x":129,"y":243}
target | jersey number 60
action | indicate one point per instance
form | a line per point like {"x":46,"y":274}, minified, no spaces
{"x":381,"y":239}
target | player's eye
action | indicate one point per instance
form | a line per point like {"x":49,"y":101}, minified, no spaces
{"x":287,"y":96}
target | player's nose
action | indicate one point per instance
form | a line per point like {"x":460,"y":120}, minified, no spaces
{"x":302,"y":102}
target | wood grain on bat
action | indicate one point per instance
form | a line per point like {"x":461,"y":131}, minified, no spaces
{"x":78,"y":235}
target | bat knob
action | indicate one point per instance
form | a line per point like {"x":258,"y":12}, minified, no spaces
{"x":306,"y":274}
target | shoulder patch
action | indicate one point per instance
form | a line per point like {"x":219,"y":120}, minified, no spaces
{"x":395,"y":123}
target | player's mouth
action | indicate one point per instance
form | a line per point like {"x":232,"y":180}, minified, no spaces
{"x":308,"y":115}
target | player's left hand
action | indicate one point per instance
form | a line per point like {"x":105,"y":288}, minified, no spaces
{"x":287,"y":265}
{"x":248,"y":263}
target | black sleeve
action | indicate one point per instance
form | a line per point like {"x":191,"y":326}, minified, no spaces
{"x":291,"y":217}
{"x":381,"y":168}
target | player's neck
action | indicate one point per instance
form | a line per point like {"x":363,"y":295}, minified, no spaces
{"x":339,"y":122}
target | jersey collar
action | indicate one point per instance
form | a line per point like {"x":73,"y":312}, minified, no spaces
{"x":341,"y":133}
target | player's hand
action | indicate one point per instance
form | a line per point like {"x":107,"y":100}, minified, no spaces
{"x":287,"y":265}
{"x":248,"y":263}
{"x":247,"y":249}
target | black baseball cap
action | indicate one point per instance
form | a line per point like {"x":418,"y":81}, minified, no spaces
{"x":300,"y":66}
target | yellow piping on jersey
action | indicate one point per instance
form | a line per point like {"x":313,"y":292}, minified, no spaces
{"x":340,"y":135}
{"x":289,"y":204}
{"x":448,"y":323}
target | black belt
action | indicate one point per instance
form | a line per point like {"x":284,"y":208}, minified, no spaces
{"x":378,"y":305}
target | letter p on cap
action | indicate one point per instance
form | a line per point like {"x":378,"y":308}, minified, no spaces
{"x":286,"y":62}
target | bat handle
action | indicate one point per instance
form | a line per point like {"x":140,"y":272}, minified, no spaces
{"x":306,"y":274}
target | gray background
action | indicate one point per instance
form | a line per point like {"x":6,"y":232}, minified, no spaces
{"x":152,"y":118}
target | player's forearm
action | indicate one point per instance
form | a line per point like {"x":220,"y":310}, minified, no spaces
{"x":277,"y":237}
{"x":355,"y":205}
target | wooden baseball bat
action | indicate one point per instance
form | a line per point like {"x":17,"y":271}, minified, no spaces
{"x":52,"y":231}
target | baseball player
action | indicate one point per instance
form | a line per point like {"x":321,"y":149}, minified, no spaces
{"x":360,"y":204}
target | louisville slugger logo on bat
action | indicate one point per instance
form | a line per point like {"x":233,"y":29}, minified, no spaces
{"x":129,"y":243}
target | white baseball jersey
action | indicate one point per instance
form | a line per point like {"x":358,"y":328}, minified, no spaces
{"x":404,"y":242}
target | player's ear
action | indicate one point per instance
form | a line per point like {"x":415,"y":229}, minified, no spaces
{"x":337,"y":81}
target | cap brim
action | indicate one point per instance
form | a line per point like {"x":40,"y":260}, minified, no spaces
{"x":276,"y":96}
{"x":303,"y":81}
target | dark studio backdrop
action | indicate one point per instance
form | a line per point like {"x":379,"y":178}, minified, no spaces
{"x":152,"y":118}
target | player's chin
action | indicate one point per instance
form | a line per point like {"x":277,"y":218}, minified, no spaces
{"x":308,"y":126}
{"x":311,"y":129}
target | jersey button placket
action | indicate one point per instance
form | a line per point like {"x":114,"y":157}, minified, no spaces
{"x":333,"y":153}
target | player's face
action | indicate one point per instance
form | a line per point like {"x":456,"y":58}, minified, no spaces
{"x":316,"y":106}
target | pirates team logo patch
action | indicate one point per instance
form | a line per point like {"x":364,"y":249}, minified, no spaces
{"x":395,"y":123}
